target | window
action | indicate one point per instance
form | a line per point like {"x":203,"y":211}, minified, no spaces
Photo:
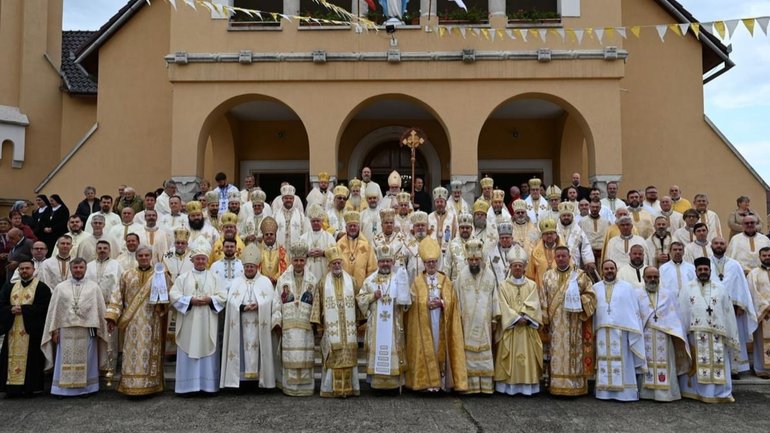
{"x":243,"y":19}
{"x":532,"y":11}
{"x":309,"y":8}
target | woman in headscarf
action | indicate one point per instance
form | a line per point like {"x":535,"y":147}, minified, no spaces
{"x":55,"y":224}
{"x":42,"y":212}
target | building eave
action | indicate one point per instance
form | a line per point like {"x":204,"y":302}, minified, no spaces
{"x":735,"y":151}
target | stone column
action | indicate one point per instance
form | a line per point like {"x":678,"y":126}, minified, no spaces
{"x":601,"y":180}
{"x":187,"y":186}
{"x":469,"y":187}
{"x":291,"y":7}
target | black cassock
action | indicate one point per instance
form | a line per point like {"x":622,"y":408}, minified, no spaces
{"x":34,"y":322}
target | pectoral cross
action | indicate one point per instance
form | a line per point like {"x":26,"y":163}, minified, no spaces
{"x":655,"y":317}
{"x":709,"y":310}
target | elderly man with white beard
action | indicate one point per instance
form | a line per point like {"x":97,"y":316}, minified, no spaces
{"x":477,"y":298}
{"x":730,"y":273}
{"x":525,"y":233}
{"x":455,"y":257}
{"x":482,"y":230}
{"x":370,"y":217}
{"x":665,"y":341}
{"x":419,"y":232}
{"x":497,"y":257}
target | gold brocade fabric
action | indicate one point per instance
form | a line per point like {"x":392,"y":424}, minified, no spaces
{"x":426,"y":366}
{"x":571,"y":335}
{"x":143,"y":326}
{"x":18,"y":338}
{"x":358,"y":259}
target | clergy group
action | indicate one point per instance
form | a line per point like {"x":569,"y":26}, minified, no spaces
{"x":553,"y":291}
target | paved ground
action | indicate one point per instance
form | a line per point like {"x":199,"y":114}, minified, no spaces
{"x":271,"y":411}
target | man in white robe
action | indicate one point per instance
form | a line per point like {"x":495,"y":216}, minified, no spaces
{"x":632,"y":272}
{"x":321,"y":194}
{"x":80,"y":239}
{"x":126,"y":226}
{"x":619,"y":338}
{"x":744,"y":247}
{"x":537,"y":206}
{"x":707,"y":216}
{"x":127,"y":258}
{"x":229,"y":267}
{"x":575,"y":239}
{"x":292,"y":223}
{"x":477,"y":298}
{"x":175,"y":217}
{"x":278,"y":202}
{"x":89,"y":245}
{"x":700,"y":247}
{"x":56,"y":268}
{"x":659,"y":243}
{"x":395,"y":240}
{"x":198,"y":225}
{"x":730,"y":273}
{"x":759,"y":285}
{"x":442,"y":224}
{"x":105,"y":210}
{"x":75,"y":334}
{"x":253,"y":313}
{"x":370,"y":216}
{"x":317,"y":240}
{"x":383,"y":298}
{"x":455,"y":257}
{"x":676,"y":273}
{"x":456,"y":203}
{"x":106,"y":273}
{"x":497,"y":257}
{"x":709,"y":320}
{"x":618,"y":247}
{"x":665,"y":343}
{"x":198,"y":298}
{"x":159,"y":240}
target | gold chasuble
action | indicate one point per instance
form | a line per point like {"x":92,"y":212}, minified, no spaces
{"x":571,"y":334}
{"x":335,"y":309}
{"x":435,"y":359}
{"x":519,"y":358}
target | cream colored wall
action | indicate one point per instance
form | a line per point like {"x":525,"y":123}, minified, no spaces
{"x":78,"y":116}
{"x":131,"y":145}
{"x":29,"y":82}
{"x":573,"y":153}
{"x":665,"y":138}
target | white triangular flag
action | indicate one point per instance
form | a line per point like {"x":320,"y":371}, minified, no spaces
{"x":190,"y":3}
{"x":622,"y":32}
{"x":477,"y":31}
{"x":684,"y":28}
{"x":461,"y":4}
{"x":542,"y":33}
{"x":579,"y":35}
{"x":509,"y":32}
{"x":462,"y":31}
{"x":493,"y":34}
{"x":173,"y":3}
{"x":731,"y":26}
{"x":599,"y":34}
{"x":763,"y":24}
{"x":562,"y":33}
{"x":523,"y":34}
{"x":662,"y":29}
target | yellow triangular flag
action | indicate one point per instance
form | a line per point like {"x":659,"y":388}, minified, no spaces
{"x":749,"y":23}
{"x":635,"y":30}
{"x":675,"y":28}
{"x":571,"y":35}
{"x":485,"y":32}
{"x":719,"y":27}
{"x":695,"y":29}
{"x":441,"y":31}
{"x":610,"y":32}
{"x":500,"y":33}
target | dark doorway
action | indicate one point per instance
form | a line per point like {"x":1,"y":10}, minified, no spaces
{"x":505,"y":180}
{"x":271,"y":183}
{"x":390,"y":156}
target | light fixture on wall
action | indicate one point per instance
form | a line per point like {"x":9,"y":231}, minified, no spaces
{"x":281,"y":134}
{"x":515,"y":134}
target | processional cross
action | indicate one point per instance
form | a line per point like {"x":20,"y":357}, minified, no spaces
{"x":413,"y":138}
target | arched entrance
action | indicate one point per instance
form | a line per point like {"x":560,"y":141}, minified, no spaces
{"x":533,"y":136}
{"x":260,"y":136}
{"x":371,"y":137}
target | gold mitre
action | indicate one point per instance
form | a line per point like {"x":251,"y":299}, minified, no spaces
{"x":258,"y":196}
{"x":487,"y":182}
{"x":474,"y":249}
{"x":372,"y":190}
{"x":429,"y":249}
{"x":194,"y":207}
{"x":519,"y":204}
{"x":234,"y":196}
{"x":341,"y":191}
{"x":298,"y":249}
{"x":505,"y":228}
{"x":323,"y":176}
{"x":268,"y":225}
{"x":566,"y":207}
{"x":403,"y":197}
{"x":352,"y":216}
{"x":212,"y":197}
{"x":480,"y":206}
{"x":456,"y":185}
{"x":355,"y":183}
{"x":547,"y":225}
{"x":465,"y":220}
{"x":440,"y":192}
{"x":181,"y":234}
{"x":418,"y":217}
{"x":200,"y":247}
{"x":332,"y":254}
{"x":228,"y":218}
{"x":315,"y":211}
{"x":384,"y":252}
{"x":394,"y":179}
{"x":498,"y":195}
{"x":535,"y":183}
{"x":553,"y":191}
{"x":387,"y":214}
{"x":517,"y":254}
{"x":251,"y":255}
{"x":287,"y":190}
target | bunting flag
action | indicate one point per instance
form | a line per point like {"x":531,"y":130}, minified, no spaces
{"x":723,"y":29}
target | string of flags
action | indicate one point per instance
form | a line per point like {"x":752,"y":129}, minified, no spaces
{"x":723,"y":29}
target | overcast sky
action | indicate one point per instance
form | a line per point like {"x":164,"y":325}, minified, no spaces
{"x":738,"y":101}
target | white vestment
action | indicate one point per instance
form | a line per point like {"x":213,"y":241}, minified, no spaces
{"x":674,"y":276}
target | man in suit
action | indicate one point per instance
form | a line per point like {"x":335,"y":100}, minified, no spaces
{"x":21,"y":250}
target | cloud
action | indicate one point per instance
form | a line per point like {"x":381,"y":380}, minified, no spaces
{"x":89,"y":14}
